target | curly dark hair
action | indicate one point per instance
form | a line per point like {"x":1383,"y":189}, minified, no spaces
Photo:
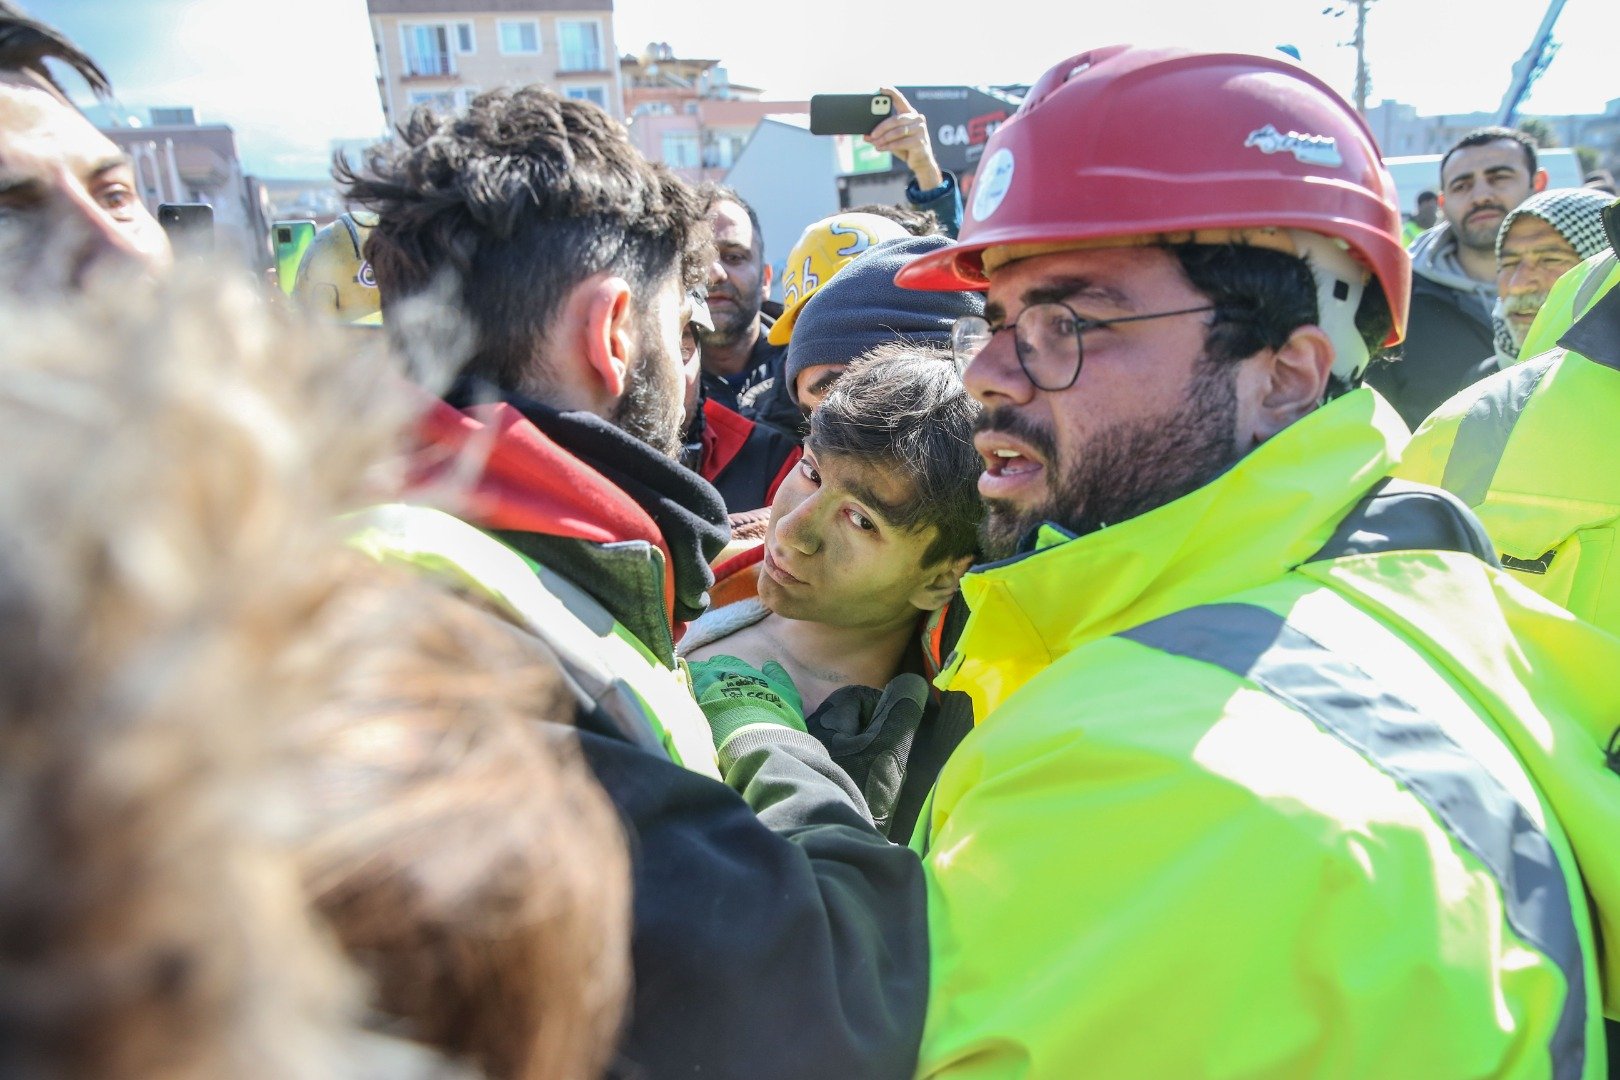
{"x":522,"y":197}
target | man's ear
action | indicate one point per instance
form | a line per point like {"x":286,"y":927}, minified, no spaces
{"x":1539,"y":181}
{"x":1283,"y":385}
{"x":1440,"y":200}
{"x":767,"y":274}
{"x":934,"y":593}
{"x":608,"y":314}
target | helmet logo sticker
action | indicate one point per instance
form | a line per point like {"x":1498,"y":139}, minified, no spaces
{"x":366,"y":277}
{"x":860,"y":239}
{"x":1309,"y":149}
{"x":995,"y":178}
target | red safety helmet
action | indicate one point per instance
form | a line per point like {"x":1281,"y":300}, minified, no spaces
{"x":1124,"y":142}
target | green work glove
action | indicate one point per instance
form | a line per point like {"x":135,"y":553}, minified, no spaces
{"x":735,"y":696}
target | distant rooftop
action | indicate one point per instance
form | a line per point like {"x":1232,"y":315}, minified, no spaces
{"x":477,"y":7}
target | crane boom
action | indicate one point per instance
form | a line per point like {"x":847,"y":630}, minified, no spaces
{"x":1530,"y":65}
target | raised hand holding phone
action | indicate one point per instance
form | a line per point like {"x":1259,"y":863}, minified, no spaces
{"x":905,"y":135}
{"x":848,"y":114}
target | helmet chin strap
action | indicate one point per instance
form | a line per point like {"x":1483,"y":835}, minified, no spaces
{"x":1340,"y":281}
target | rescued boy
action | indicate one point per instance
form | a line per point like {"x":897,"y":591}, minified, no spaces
{"x":853,"y":589}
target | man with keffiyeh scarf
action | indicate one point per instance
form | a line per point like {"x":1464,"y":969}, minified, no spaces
{"x":1541,"y":239}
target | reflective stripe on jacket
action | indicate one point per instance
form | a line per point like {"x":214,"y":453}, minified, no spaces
{"x":609,"y":670}
{"x":1264,"y":784}
{"x":1530,"y":449}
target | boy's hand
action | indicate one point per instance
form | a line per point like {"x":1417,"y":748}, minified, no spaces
{"x":734,"y":696}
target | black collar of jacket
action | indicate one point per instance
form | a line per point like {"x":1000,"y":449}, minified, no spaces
{"x":626,"y":579}
{"x":1596,"y":335}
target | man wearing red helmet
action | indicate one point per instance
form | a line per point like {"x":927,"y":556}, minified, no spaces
{"x":1275,"y":772}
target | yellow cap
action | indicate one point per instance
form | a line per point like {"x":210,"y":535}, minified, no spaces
{"x":334,"y":279}
{"x":822,"y":249}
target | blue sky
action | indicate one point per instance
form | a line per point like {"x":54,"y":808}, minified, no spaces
{"x":294,"y":74}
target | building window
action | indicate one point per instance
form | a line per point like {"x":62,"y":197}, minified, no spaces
{"x":427,"y":50}
{"x":723,"y":152}
{"x":466,"y":95}
{"x":178,"y":117}
{"x":596,"y":95}
{"x":440,"y":101}
{"x":681,"y":149}
{"x":519,"y":37}
{"x":465,"y":41}
{"x":580,"y":42}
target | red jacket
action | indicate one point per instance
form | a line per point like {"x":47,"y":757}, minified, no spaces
{"x":528,"y":482}
{"x":745,"y":461}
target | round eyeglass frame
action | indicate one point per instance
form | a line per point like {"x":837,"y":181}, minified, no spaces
{"x":977,"y":325}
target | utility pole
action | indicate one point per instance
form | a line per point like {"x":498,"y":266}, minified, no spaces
{"x":1359,"y":42}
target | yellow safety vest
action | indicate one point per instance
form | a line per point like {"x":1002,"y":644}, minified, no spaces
{"x":1238,"y":807}
{"x":608,"y":669}
{"x":1531,"y":451}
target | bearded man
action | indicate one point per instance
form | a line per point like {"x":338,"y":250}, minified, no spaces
{"x":737,"y":352}
{"x":1486,"y":174}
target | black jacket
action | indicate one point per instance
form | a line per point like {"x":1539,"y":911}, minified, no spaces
{"x":894,"y":742}
{"x":776,"y":932}
{"x":743,"y":459}
{"x":764,"y":359}
{"x":1447,"y":333}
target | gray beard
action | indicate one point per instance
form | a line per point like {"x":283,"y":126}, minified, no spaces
{"x":1127,"y":469}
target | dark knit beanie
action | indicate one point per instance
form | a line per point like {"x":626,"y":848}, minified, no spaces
{"x":860,"y":308}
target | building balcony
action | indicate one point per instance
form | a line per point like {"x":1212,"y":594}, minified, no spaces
{"x":429,"y":66}
{"x":583,"y":65}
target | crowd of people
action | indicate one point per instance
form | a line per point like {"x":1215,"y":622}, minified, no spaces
{"x":1038,"y":646}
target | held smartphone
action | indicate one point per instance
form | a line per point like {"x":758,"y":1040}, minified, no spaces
{"x":190,"y":226}
{"x":848,"y":114}
{"x":290,"y":238}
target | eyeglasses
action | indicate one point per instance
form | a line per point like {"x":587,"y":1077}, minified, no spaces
{"x":1047,"y":337}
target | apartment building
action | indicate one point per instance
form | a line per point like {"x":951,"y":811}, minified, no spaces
{"x":444,"y":52}
{"x":178,"y":160}
{"x":688,"y":114}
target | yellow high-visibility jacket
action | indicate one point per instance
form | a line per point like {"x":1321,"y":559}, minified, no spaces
{"x":1571,"y":296}
{"x":1531,"y":450}
{"x":1277,"y":780}
{"x":606,"y":666}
